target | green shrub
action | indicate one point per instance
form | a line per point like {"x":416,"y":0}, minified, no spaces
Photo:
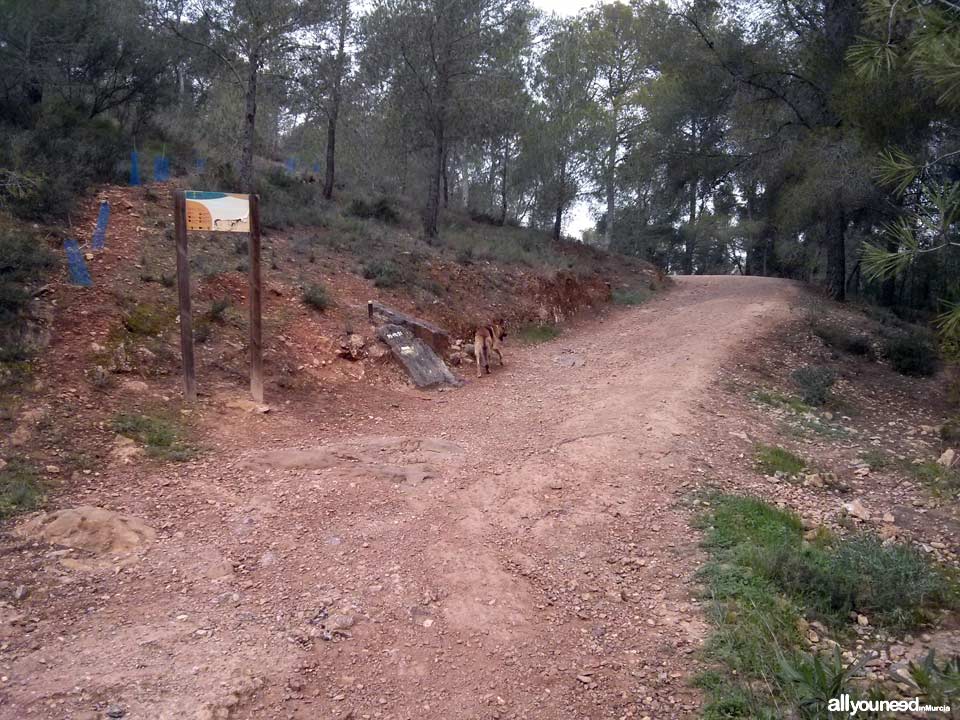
{"x":218,"y":309}
{"x":148,"y":319}
{"x":316,"y":297}
{"x":771,"y":459}
{"x":384,"y":273}
{"x":202,"y":330}
{"x":914,"y":354}
{"x":65,"y":152}
{"x":24,"y":261}
{"x":814,"y":383}
{"x":380,"y":209}
{"x":840,"y":338}
{"x":937,"y":683}
{"x":20,"y":488}
{"x":892,"y":583}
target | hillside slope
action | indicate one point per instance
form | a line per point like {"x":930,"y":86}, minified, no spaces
{"x":112,"y":349}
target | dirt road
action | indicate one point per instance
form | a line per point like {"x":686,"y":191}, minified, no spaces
{"x":517,"y":548}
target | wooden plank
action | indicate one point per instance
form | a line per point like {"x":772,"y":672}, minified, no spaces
{"x":436,"y":337}
{"x":256,"y":335}
{"x":424,"y":366}
{"x":183,"y":294}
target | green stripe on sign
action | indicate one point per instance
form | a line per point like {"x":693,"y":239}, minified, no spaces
{"x":204,"y":195}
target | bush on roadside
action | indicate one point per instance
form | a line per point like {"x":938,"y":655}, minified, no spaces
{"x":24,"y":262}
{"x":384,"y":273}
{"x":840,"y":338}
{"x":814,"y":383}
{"x":914,"y":354}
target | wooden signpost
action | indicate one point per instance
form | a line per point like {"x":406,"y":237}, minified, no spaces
{"x":218,"y":212}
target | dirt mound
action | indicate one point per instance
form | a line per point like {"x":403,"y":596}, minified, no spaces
{"x":94,"y":529}
{"x":397,"y":459}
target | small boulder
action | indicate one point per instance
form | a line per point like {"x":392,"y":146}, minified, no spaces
{"x":95,"y":529}
{"x":125,"y":451}
{"x":856,"y":509}
{"x":947,"y":458}
{"x":353,"y":347}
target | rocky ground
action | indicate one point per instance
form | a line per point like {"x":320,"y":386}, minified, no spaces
{"x":520,"y":547}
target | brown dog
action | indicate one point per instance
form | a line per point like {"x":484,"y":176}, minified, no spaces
{"x":488,"y":339}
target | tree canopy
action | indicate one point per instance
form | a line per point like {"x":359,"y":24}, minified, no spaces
{"x":812,"y":139}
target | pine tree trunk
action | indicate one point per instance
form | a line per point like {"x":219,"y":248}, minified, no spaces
{"x":503,"y":184}
{"x":561,"y":202}
{"x":612,"y":179}
{"x":446,"y":180}
{"x":330,"y":169}
{"x":432,"y":213}
{"x":836,"y":256}
{"x":690,"y":240}
{"x":334,"y":113}
{"x":249,"y":128}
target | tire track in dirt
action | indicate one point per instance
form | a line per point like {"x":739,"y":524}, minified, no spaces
{"x":543,"y":572}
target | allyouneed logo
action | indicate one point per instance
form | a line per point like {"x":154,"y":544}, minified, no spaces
{"x":852,"y":707}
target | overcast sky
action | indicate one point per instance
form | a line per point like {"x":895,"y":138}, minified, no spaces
{"x":562,"y":7}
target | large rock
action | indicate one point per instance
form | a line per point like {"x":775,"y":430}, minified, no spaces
{"x":436,"y":337}
{"x":94,"y":529}
{"x":424,"y":366}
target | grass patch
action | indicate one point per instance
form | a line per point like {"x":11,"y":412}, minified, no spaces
{"x":762,"y":578}
{"x":805,"y":426}
{"x":625,"y":296}
{"x":160,"y":436}
{"x":771,"y":459}
{"x":784,"y":402}
{"x":533,"y":334}
{"x":20,"y":488}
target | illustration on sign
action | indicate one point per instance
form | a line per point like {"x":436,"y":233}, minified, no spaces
{"x":217,"y":211}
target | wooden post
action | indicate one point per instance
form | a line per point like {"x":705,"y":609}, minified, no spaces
{"x":370,"y":310}
{"x":183,"y":292}
{"x":256,"y":338}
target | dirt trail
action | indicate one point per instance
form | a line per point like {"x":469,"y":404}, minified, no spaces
{"x":512,"y":549}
